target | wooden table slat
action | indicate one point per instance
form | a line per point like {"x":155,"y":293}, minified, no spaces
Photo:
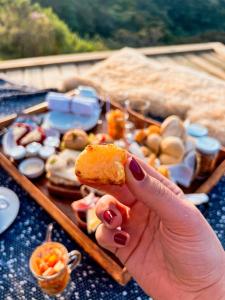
{"x":207,"y":66}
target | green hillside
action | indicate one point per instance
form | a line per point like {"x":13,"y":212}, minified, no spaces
{"x":143,"y":22}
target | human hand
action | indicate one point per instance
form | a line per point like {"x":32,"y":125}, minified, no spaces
{"x":164,"y":242}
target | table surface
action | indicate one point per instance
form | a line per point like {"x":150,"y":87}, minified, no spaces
{"x":89,"y":281}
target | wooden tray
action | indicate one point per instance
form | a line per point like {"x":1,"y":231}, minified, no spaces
{"x":61,"y":211}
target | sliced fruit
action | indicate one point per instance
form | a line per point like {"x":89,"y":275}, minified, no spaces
{"x":58,"y":266}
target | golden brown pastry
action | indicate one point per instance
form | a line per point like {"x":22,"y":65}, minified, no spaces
{"x":153,"y":142}
{"x":153,"y":129}
{"x":140,"y":135}
{"x":173,"y":126}
{"x":75,"y":139}
{"x":173,"y":146}
{"x":103,"y":164}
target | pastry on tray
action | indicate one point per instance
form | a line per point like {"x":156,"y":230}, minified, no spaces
{"x":60,"y":168}
{"x":75,"y":139}
{"x":103,"y":164}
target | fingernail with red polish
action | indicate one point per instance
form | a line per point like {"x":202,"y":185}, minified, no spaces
{"x":108,"y":216}
{"x":136,"y":170}
{"x":120,"y":239}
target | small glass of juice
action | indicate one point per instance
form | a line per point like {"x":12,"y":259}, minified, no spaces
{"x":116,"y":124}
{"x":51,"y":265}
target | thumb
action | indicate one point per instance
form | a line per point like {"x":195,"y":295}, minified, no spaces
{"x":154,"y":194}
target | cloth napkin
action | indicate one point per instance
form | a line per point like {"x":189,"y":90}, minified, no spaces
{"x":58,"y":102}
{"x":79,"y":105}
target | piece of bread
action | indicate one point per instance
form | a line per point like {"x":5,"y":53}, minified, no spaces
{"x":153,"y":129}
{"x":153,"y":142}
{"x":169,"y":160}
{"x":173,"y":126}
{"x":173,"y":146}
{"x":102,"y":164}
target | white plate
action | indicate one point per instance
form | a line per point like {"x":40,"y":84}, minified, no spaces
{"x":8,"y":215}
{"x":65,"y":121}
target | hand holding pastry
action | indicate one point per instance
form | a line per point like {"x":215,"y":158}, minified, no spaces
{"x":164,"y":242}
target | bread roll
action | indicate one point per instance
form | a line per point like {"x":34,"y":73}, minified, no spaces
{"x":153,"y":142}
{"x":173,"y":126}
{"x":173,"y":146}
{"x":168,"y":160}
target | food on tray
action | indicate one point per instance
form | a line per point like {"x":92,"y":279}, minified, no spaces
{"x":173,"y":146}
{"x":60,"y":168}
{"x":75,"y":139}
{"x":153,"y":142}
{"x":84,"y":210}
{"x":102,"y":164}
{"x":35,"y":135}
{"x":50,"y":259}
{"x":166,"y":159}
{"x":173,"y":126}
{"x":116,"y":124}
{"x":100,"y":138}
{"x":167,"y":142}
{"x":140,"y":136}
{"x":19,"y":130}
{"x":146,"y":151}
{"x":152,"y":129}
{"x":92,"y":220}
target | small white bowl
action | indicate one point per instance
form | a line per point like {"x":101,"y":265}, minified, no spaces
{"x":17,"y":153}
{"x":45,"y":152}
{"x":32,"y":167}
{"x":52,"y":141}
{"x":33,"y":149}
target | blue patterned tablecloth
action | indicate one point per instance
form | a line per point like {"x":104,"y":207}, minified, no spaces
{"x":89,"y":281}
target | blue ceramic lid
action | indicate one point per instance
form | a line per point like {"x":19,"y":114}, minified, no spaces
{"x":197,"y":130}
{"x":208,"y":145}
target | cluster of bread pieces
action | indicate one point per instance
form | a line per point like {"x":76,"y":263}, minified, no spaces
{"x":170,"y":89}
{"x":166,"y":142}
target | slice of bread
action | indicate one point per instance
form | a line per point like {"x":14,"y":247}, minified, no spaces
{"x":101,"y":164}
